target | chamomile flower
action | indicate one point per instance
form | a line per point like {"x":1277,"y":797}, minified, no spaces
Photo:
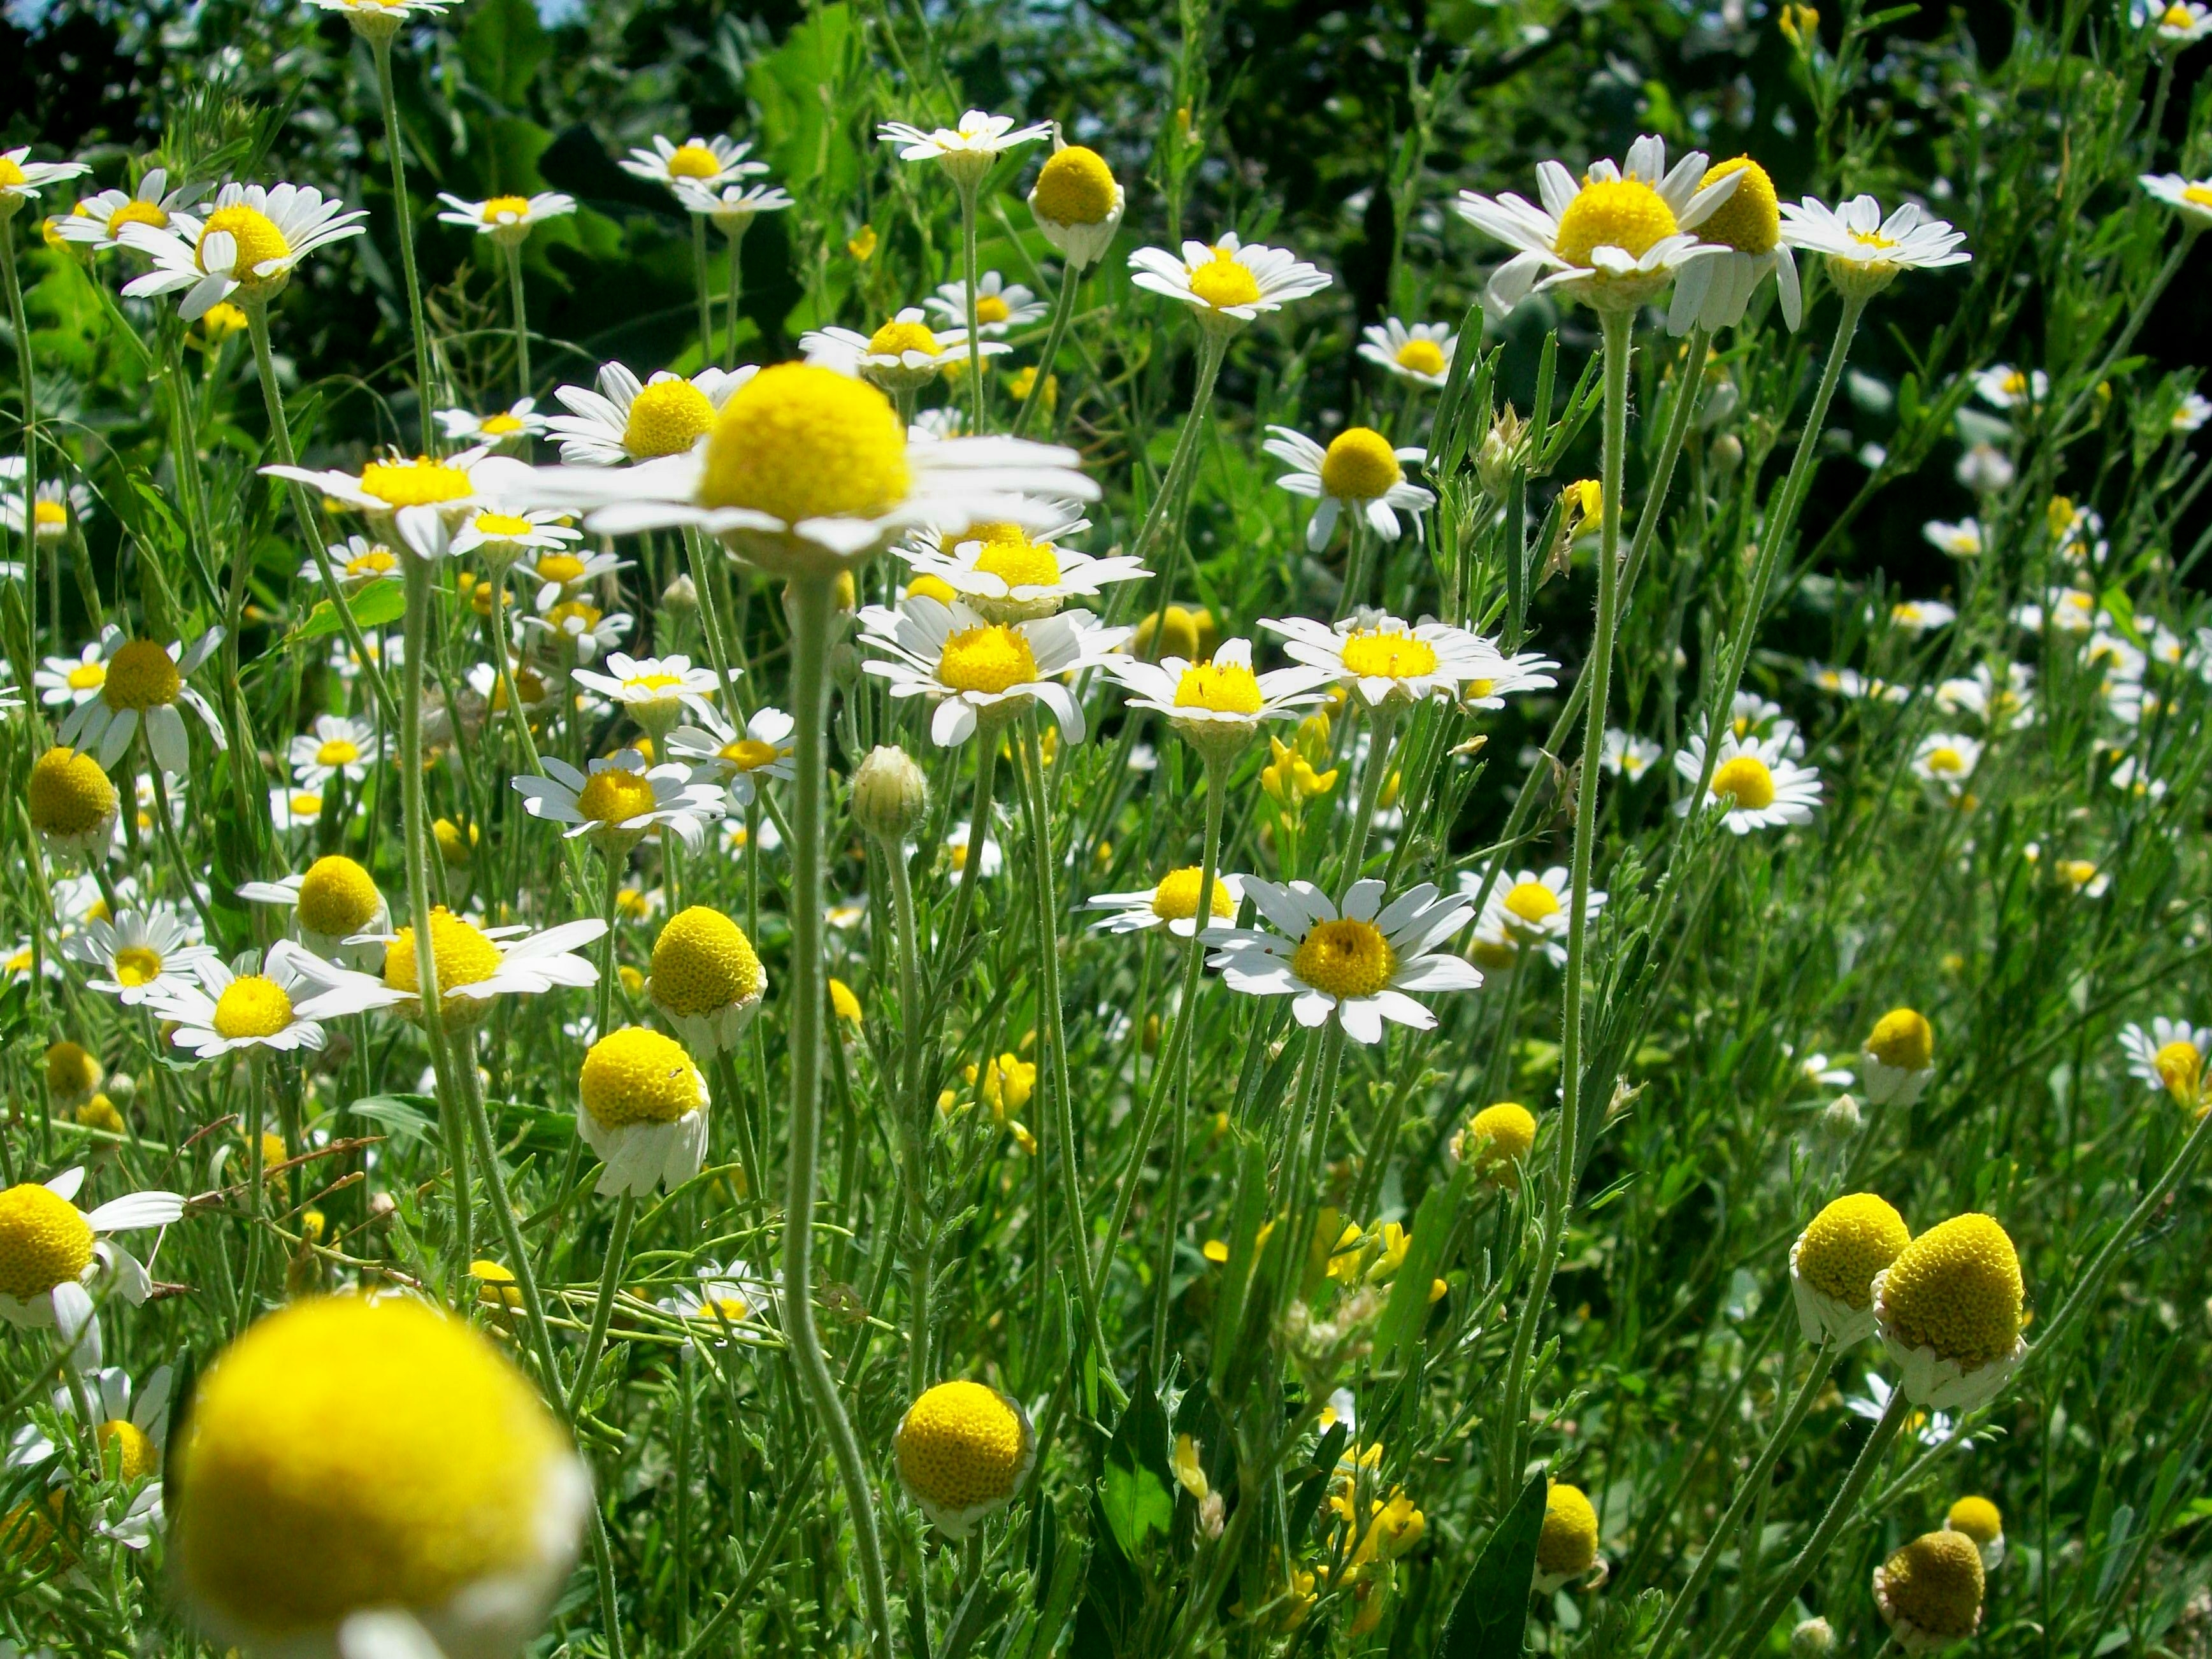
{"x":143,"y":685}
{"x":655,"y":691}
{"x":2190,"y":414}
{"x":72,"y":805}
{"x":244,"y":250}
{"x":642,"y":1107}
{"x":563,"y":574}
{"x":1497,"y":1141}
{"x":1980,"y":1520}
{"x":334,"y":902}
{"x":223,"y":1009}
{"x":1421,"y":353}
{"x":1359,"y":472}
{"x":2003,"y":386}
{"x":474,"y":964}
{"x":904,"y":355}
{"x":1985,"y":469}
{"x":338,"y":744}
{"x":1217,"y":705}
{"x":1613,"y":241}
{"x":2063,"y":609}
{"x":1929,"y":1592}
{"x":2169,"y":1058}
{"x":2179,"y":22}
{"x":1930,"y":1428}
{"x":1006,"y":576}
{"x":1526,"y":671}
{"x":70,"y":681}
{"x":740,"y":760}
{"x":356,"y":562}
{"x":957,"y":851}
{"x":1864,"y":250}
{"x":620,"y":799}
{"x":507,"y":220}
{"x":1227,"y":283}
{"x":2082,"y":878}
{"x":1833,"y":1263}
{"x":1961,"y":540}
{"x":1528,"y":909}
{"x":51,"y":1251}
{"x":1921,"y":615}
{"x":703,"y":163}
{"x":1899,"y":1057}
{"x":1712,"y":293}
{"x":1755,"y":785}
{"x":131,"y":1428}
{"x":965,"y":151}
{"x":2190,"y":197}
{"x":622,"y":419}
{"x":1946,"y":759}
{"x":1627,"y":756}
{"x":1171,"y":903}
{"x":1000,"y":305}
{"x":2002,"y":698}
{"x":22,"y":178}
{"x":1948,"y":1309}
{"x":99,"y":219}
{"x":1355,"y":964}
{"x":139,"y":956}
{"x":723,"y":1304}
{"x":1077,"y":203}
{"x":296,"y":811}
{"x":706,"y":979}
{"x":518,"y":420}
{"x":964,"y":1450}
{"x":1566,"y":1546}
{"x":732,"y":206}
{"x":500,"y":537}
{"x":55,"y":508}
{"x":1385,"y":659}
{"x":976,"y":672}
{"x":423,"y":500}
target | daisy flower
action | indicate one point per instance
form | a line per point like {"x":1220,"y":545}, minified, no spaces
{"x":641,"y":1108}
{"x":2132,"y":777}
{"x":22,"y":178}
{"x":563,"y":573}
{"x":1755,"y":786}
{"x":503,"y":538}
{"x":1962,"y":540}
{"x":1422,"y":353}
{"x":577,"y":626}
{"x":518,"y":420}
{"x":72,"y":804}
{"x":1007,"y":577}
{"x":967,"y":151}
{"x":1864,"y":250}
{"x":732,"y":207}
{"x":740,"y":760}
{"x":1713,"y":292}
{"x":51,"y":512}
{"x":1227,"y":283}
{"x":1853,"y":686}
{"x":474,"y":965}
{"x":99,"y":219}
{"x":1356,"y":963}
{"x":2169,"y":1058}
{"x":422,"y":499}
{"x":707,"y":979}
{"x":703,"y":163}
{"x":55,"y":1251}
{"x":143,"y":684}
{"x":337,"y":745}
{"x":1217,"y":705}
{"x":1921,"y":615}
{"x":1625,"y":754}
{"x":139,"y":956}
{"x":356,"y":562}
{"x":1985,"y":469}
{"x":2179,"y":22}
{"x":1948,"y":759}
{"x":2003,"y":387}
{"x":620,"y":799}
{"x":1527,"y":671}
{"x":1385,"y":659}
{"x":625,"y":421}
{"x":654,"y":690}
{"x":2190,"y":414}
{"x":974,"y":670}
{"x":78,"y":680}
{"x":2002,"y":698}
{"x":1930,"y":1428}
{"x":377,"y":21}
{"x":1528,"y":909}
{"x":723,"y":1304}
{"x":130,"y":1426}
{"x":2068,"y":609}
{"x":245,"y":248}
{"x":806,"y":468}
{"x":2191,"y":198}
{"x":1359,"y":472}
{"x":1171,"y":903}
{"x":1077,"y":203}
{"x":956,"y":846}
{"x":1613,"y":241}
{"x":904,"y":355}
{"x":1817,"y":1070}
{"x":221,"y":1009}
{"x":1000,"y":305}
{"x":505,"y":219}
{"x":334,"y":902}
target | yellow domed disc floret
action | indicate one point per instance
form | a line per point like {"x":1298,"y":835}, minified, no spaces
{"x":615,"y":795}
{"x":256,"y":235}
{"x":1567,"y":1548}
{"x":134,"y":1457}
{"x":1978,"y":1518}
{"x":896,"y":339}
{"x":1532,"y":902}
{"x":463,"y":954}
{"x":1017,"y":561}
{"x":1745,"y":780}
{"x":1750,"y":220}
{"x":1225,"y":281}
{"x":1346,"y":958}
{"x":72,"y":1070}
{"x":1844,"y":1246}
{"x":338,"y":897}
{"x":498,"y":208}
{"x":1074,"y":187}
{"x":1422,"y":357}
{"x":44,"y":1241}
{"x":1956,"y":1288}
{"x":1224,"y":689}
{"x":638,"y":1076}
{"x":1933,"y":1585}
{"x":419,"y":482}
{"x":693,"y":161}
{"x":963,"y":1449}
{"x":140,"y":675}
{"x":1387,"y":655}
{"x":1176,"y":899}
{"x":703,"y":963}
{"x":1360,"y":465}
{"x":1904,"y":1039}
{"x":67,"y":794}
{"x":1622,"y":213}
{"x":989,"y":660}
{"x":665,"y":418}
{"x":1499,"y":1134}
{"x":345,"y":1455}
{"x":798,"y":441}
{"x":251,"y":1006}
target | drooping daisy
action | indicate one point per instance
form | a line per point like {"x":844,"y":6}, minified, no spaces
{"x":965,"y":151}
{"x":1962,"y":540}
{"x":1077,"y":203}
{"x":337,"y":745}
{"x":642,"y":1107}
{"x":422,"y":499}
{"x":1755,"y":786}
{"x":1713,"y":292}
{"x":1356,"y":963}
{"x":620,"y":799}
{"x":52,"y":1251}
{"x":1921,"y":615}
{"x":732,"y":207}
{"x":244,"y":250}
{"x":2179,"y":22}
{"x":334,"y":902}
{"x":1946,"y":759}
{"x":706,"y":979}
{"x":1422,"y":353}
{"x":2190,"y":197}
{"x":99,"y":219}
{"x":78,"y":680}
{"x":2003,"y":386}
{"x":978,"y":672}
{"x":904,"y":355}
{"x":72,"y":805}
{"x":738,"y":759}
{"x":143,"y":684}
{"x":507,"y":220}
{"x":356,"y":562}
{"x":518,"y":420}
{"x":139,"y":956}
{"x":704,"y":163}
{"x":1171,"y":903}
{"x":1627,"y":756}
{"x":625,"y":421}
{"x":474,"y":964}
{"x":500,"y":538}
{"x":1386,"y":659}
{"x":1217,"y":705}
{"x":1000,"y":305}
{"x":221,"y":1008}
{"x":1227,"y":283}
{"x":1865,"y":251}
{"x":655,"y":691}
{"x":1614,"y":240}
{"x":1359,"y":472}
{"x":1004,"y":576}
{"x":1528,"y":909}
{"x":2169,"y":1058}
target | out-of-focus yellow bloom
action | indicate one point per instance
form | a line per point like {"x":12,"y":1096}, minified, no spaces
{"x":863,"y":246}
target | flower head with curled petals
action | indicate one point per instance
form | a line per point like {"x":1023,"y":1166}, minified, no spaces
{"x":642,"y":1106}
{"x":335,"y":900}
{"x":145,"y":684}
{"x":963,"y":1451}
{"x":99,"y":219}
{"x":978,"y":672}
{"x":243,"y":250}
{"x":1172,"y":902}
{"x":703,"y":163}
{"x":2169,"y":1059}
{"x":507,"y":220}
{"x":1865,"y":251}
{"x":1227,"y":283}
{"x":1929,"y":1592}
{"x":966,"y":151}
{"x":1218,"y":705}
{"x":51,"y":1251}
{"x":1949,"y":1310}
{"x":1833,"y":1263}
{"x":622,"y":420}
{"x":620,"y":799}
{"x":1386,"y":659}
{"x":1359,"y":472}
{"x":1077,"y":202}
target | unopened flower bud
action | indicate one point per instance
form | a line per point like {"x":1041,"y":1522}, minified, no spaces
{"x":889,"y":795}
{"x":1726,"y":455}
{"x":1841,"y":1118}
{"x":1503,"y":453}
{"x":681,"y":596}
{"x":1813,"y":1639}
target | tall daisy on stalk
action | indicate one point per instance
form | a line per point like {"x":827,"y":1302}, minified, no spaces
{"x":1077,"y":203}
{"x":99,"y":219}
{"x":1752,"y":782}
{"x":622,"y":419}
{"x":508,"y":221}
{"x":904,"y":356}
{"x":140,"y":955}
{"x":143,"y":685}
{"x":980,"y":673}
{"x":1421,"y":354}
{"x":1360,"y":473}
{"x":731,"y":207}
{"x":2169,"y":1058}
{"x":1355,"y":964}
{"x":1006,"y":576}
{"x":690,"y":170}
{"x":22,"y":179}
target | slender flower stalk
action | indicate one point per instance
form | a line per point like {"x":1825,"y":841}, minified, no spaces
{"x":1064,"y":307}
{"x":968,"y":187}
{"x":27,"y":389}
{"x":701,"y":282}
{"x":514,"y":293}
{"x":1213,"y":345}
{"x":602,"y":1307}
{"x":395,"y":145}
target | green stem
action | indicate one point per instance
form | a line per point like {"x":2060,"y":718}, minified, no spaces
{"x":974,"y":339}
{"x":914,"y":1136}
{"x":611,"y":909}
{"x":521,"y":323}
{"x":1213,"y":345}
{"x":1071,"y":279}
{"x":700,"y":282}
{"x":737,"y":239}
{"x":602,"y":1308}
{"x":395,"y":146}
{"x":18,"y":320}
{"x":814,"y":607}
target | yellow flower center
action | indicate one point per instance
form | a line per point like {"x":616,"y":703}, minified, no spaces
{"x":566,"y":568}
{"x":703,"y":962}
{"x":896,"y":338}
{"x":10,"y":174}
{"x":455,"y":848}
{"x":615,"y":796}
{"x":49,"y":515}
{"x":961,"y":1444}
{"x":1176,"y":899}
{"x":71,"y":1070}
{"x":1226,"y":689}
{"x":2181,"y":1069}
{"x":464,"y":956}
{"x":694,"y":162}
{"x":67,"y":794}
{"x":723,"y":1310}
{"x":1360,"y":465}
{"x":1622,"y":213}
{"x":1750,"y":220}
{"x":136,"y":212}
{"x":1387,"y":655}
{"x":392,"y":1434}
{"x":419,"y":482}
{"x":1745,"y":781}
{"x":1225,"y":281}
{"x":138,"y":965}
{"x":991,"y":309}
{"x":502,"y":425}
{"x":1346,"y":958}
{"x":665,"y":418}
{"x":256,"y":235}
{"x":140,"y":675}
{"x":134,"y":1456}
{"x":338,"y":898}
{"x":1903,"y":1038}
{"x":2177,"y":17}
{"x":1018,"y":561}
{"x":337,"y":752}
{"x":501,"y":206}
{"x":1874,"y":240}
{"x":1946,"y":759}
{"x":1075,"y":187}
{"x":638,"y":1076}
{"x":1533,"y":902}
{"x":1956,"y":1288}
{"x":88,"y":677}
{"x":574,"y":611}
{"x":800,"y":442}
{"x":377,"y":562}
{"x":44,"y":1240}
{"x":2198,"y":196}
{"x":503,"y":527}
{"x":1935,"y":1583}
{"x":251,"y":1006}
{"x":1568,"y":1544}
{"x":1978,"y":1518}
{"x":750,"y":754}
{"x":1844,"y":1246}
{"x":991,"y":659}
{"x":1422,"y":357}
{"x":1502,"y":1134}
{"x":933,"y":587}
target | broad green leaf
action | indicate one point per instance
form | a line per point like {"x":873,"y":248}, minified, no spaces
{"x":1490,"y":1620}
